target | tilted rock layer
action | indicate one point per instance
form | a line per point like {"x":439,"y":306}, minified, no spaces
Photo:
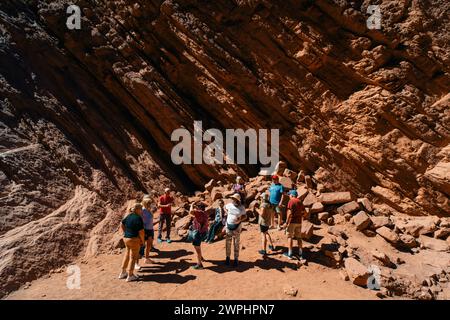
{"x":86,"y":115}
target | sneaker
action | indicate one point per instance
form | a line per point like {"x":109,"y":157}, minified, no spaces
{"x":263,"y":252}
{"x":137,"y":267}
{"x":159,"y":240}
{"x":123,"y":275}
{"x":227,"y":261}
{"x":271,"y":248}
{"x":132,"y":278}
{"x":235,"y":263}
{"x":197,"y":267}
{"x":169,"y":241}
{"x":286,"y":254}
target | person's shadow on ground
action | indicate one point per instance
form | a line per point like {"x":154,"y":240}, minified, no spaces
{"x":163,"y":272}
{"x":172,"y":255}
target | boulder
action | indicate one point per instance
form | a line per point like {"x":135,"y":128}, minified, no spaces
{"x":195,"y":199}
{"x":302,"y":192}
{"x":335,"y":197}
{"x":182,"y":226}
{"x":320,"y":188}
{"x":389,"y":235}
{"x":307,"y":230}
{"x":308,"y":181}
{"x":216,"y":194}
{"x":439,"y":175}
{"x":301,"y":177}
{"x":316,"y":207}
{"x":409,"y":241}
{"x":357,"y":272}
{"x":262,"y":188}
{"x":361,"y":220}
{"x":380,"y":221}
{"x":367,"y":205}
{"x":287,"y":183}
{"x":384,"y":258}
{"x":280,"y":167}
{"x":419,"y":226}
{"x":290,"y":174}
{"x":434,"y":244}
{"x":442,"y":233}
{"x":323,"y":216}
{"x":210,"y":185}
{"x":338,"y":232}
{"x":310,"y":199}
{"x":348,"y":208}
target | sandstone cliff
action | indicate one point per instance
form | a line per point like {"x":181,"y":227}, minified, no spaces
{"x":86,"y":115}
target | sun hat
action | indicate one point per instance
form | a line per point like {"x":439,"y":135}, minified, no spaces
{"x":236,"y":196}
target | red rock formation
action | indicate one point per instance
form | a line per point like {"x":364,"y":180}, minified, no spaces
{"x":86,"y":115}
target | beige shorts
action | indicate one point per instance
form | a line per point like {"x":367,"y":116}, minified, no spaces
{"x":294,"y":230}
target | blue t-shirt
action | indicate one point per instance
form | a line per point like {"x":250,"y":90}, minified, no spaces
{"x":275,"y":193}
{"x":147,"y":217}
{"x":133,"y":224}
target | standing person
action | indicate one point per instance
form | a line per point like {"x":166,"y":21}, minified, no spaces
{"x":219,"y":222}
{"x":295,"y":214}
{"x":147,"y":216}
{"x":200,"y":229}
{"x":235,"y":215}
{"x":265,"y":215}
{"x":165,"y":204}
{"x":275,"y":194}
{"x":133,"y":229}
{"x":239,"y":187}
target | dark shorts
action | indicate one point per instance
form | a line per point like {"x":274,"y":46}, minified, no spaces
{"x":198,"y":239}
{"x":149,"y":234}
{"x":263,"y":229}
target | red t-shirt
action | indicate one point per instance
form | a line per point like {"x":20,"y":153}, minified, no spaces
{"x":200,"y":221}
{"x":166,"y":200}
{"x":297,"y":209}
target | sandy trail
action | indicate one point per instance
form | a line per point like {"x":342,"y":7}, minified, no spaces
{"x":171,"y":277}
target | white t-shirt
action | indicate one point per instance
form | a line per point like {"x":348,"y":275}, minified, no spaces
{"x":234,"y":213}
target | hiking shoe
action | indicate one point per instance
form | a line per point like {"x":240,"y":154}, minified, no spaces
{"x":197,"y":267}
{"x":132,"y":278}
{"x":169,"y":241}
{"x":271,"y":248}
{"x":123,"y":275}
{"x":227,"y":261}
{"x":263,"y":252}
{"x":235,"y":263}
{"x":286,"y":254}
{"x":159,"y":240}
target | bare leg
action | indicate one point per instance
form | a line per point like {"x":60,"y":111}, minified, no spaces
{"x":270,"y":239}
{"x":263,"y":241}
{"x":199,"y":255}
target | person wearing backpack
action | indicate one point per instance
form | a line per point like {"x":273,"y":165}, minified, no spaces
{"x":296,"y":212}
{"x":133,"y":228}
{"x":219,"y":222}
{"x":199,"y":230}
{"x":235,"y":215}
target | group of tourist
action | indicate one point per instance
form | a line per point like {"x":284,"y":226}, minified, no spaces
{"x":138,"y":230}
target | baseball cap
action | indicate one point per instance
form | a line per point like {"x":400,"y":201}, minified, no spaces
{"x":293,"y":193}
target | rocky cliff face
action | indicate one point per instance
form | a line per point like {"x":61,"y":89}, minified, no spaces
{"x":86,"y":115}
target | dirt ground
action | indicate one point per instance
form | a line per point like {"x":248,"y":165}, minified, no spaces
{"x":171,"y":276}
